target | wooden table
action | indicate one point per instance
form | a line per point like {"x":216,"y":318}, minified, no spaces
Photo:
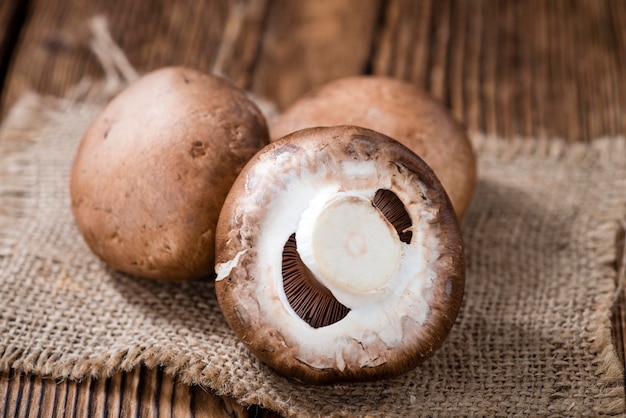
{"x":534,"y":69}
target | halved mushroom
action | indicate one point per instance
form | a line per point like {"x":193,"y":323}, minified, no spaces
{"x":339,"y":256}
{"x":397,"y":109}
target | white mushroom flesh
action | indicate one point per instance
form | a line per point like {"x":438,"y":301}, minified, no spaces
{"x":349,"y":246}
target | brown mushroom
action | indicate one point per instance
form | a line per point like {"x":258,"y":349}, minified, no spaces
{"x":339,"y":256}
{"x":153,"y":169}
{"x":397,"y":109}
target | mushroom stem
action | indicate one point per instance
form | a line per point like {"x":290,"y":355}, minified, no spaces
{"x":349,"y":244}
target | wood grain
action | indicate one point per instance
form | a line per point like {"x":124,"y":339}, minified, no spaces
{"x":7,"y":27}
{"x":7,"y":33}
{"x":53,"y":53}
{"x":307,"y":43}
{"x":140,"y":393}
{"x":12,"y":15}
{"x":535,"y":69}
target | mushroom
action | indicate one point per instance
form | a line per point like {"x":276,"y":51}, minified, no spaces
{"x":397,"y":109}
{"x":154,"y":167}
{"x":339,"y":256}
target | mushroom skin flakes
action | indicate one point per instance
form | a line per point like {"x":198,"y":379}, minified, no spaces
{"x":318,"y":187}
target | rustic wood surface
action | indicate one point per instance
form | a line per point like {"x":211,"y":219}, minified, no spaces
{"x":535,"y":69}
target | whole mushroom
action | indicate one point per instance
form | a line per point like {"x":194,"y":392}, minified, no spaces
{"x":339,"y":256}
{"x":397,"y":109}
{"x":153,"y":169}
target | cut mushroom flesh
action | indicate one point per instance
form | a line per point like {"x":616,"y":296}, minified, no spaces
{"x":339,"y":259}
{"x":350,"y":242}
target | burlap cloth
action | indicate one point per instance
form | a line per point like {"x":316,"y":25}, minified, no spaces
{"x":533,"y":337}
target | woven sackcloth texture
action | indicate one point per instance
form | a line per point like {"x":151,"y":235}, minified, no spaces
{"x":533,"y":337}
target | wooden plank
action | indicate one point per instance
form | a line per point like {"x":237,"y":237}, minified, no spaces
{"x":53,"y":54}
{"x":307,"y":43}
{"x":8,"y":390}
{"x":125,"y":394}
{"x":7,"y":29}
{"x":12,"y":15}
{"x":98,"y":398}
{"x":535,"y":69}
{"x":9,"y":26}
{"x":617,"y":27}
{"x":113,"y":394}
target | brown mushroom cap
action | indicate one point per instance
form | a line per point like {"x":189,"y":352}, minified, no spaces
{"x":154,"y":167}
{"x":273,"y":284}
{"x":397,"y":109}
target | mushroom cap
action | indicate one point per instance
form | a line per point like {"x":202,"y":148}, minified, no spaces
{"x":399,"y":110}
{"x":154,"y":167}
{"x":389,"y":325}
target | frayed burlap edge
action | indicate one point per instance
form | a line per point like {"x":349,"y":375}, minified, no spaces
{"x":32,"y":114}
{"x":604,"y":152}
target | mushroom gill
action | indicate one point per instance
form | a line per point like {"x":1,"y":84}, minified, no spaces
{"x":311,"y":301}
{"x":393,"y":209}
